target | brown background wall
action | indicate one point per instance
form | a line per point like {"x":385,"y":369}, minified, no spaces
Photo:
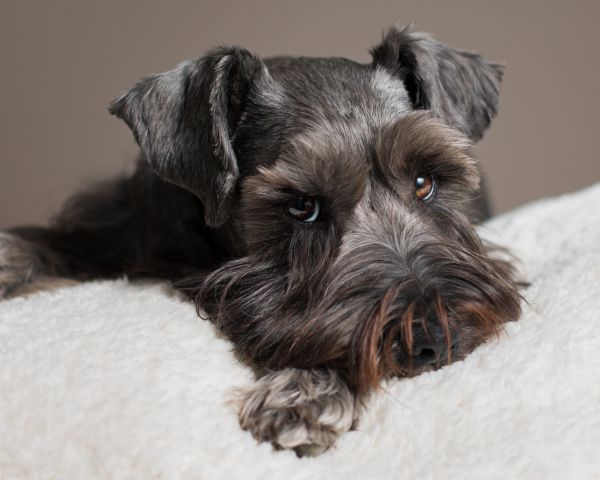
{"x":62,"y":62}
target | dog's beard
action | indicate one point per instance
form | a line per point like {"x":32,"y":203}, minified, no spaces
{"x":361,"y":311}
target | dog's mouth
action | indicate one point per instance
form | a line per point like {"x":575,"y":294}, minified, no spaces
{"x":426,"y":335}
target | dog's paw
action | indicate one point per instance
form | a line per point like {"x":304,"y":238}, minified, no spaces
{"x":17,"y":263}
{"x":303,"y":410}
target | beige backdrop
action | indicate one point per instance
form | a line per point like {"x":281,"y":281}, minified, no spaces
{"x":62,"y":62}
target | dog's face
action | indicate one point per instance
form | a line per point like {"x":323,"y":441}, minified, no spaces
{"x":356,"y":252}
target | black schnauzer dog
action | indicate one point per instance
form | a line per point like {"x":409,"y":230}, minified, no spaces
{"x":316,"y":208}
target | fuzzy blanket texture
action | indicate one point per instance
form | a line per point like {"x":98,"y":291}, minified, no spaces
{"x":116,"y":380}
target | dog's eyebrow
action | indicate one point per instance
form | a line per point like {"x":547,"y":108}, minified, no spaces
{"x":315,"y":165}
{"x":419,"y":143}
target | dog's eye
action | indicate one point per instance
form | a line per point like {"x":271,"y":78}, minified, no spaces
{"x":304,"y":208}
{"x":425,"y":187}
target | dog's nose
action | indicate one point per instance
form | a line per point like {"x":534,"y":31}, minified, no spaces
{"x":430,"y":344}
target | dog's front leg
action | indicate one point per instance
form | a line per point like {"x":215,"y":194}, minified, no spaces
{"x":303,"y":410}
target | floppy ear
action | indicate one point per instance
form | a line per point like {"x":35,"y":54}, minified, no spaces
{"x":459,"y":87}
{"x":184,"y":120}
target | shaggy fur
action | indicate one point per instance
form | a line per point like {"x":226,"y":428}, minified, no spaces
{"x":382,"y":283}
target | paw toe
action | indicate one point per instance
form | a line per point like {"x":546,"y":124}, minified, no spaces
{"x":298,"y":410}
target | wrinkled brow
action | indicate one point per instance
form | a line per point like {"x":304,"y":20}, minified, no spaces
{"x":419,"y":144}
{"x":314,"y":165}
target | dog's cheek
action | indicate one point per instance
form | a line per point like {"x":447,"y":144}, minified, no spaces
{"x":266,"y":234}
{"x":264,"y":227}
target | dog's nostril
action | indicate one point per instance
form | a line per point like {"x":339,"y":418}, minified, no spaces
{"x":426,"y":356}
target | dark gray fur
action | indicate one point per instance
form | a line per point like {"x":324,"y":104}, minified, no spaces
{"x":382,"y":284}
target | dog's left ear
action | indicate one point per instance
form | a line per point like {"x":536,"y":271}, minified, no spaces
{"x":459,"y":87}
{"x":184,"y":121}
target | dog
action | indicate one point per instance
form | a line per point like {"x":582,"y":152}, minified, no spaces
{"x":317,"y":209}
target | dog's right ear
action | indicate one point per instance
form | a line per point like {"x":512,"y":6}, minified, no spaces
{"x":184,"y":120}
{"x":459,"y":87}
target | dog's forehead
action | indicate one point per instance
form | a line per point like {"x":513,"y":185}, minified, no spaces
{"x":333,"y":105}
{"x":318,"y":91}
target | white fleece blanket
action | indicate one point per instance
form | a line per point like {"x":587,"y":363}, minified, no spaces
{"x":112,"y":380}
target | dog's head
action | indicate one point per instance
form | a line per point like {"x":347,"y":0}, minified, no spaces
{"x":349,"y":185}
